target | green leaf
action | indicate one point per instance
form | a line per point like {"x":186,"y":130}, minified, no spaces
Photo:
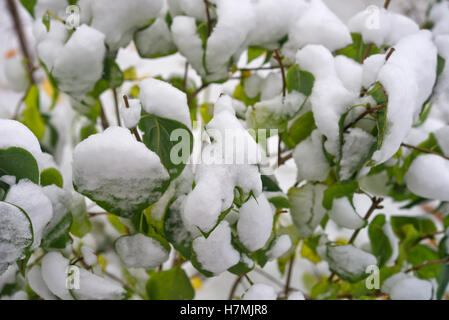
{"x":117,"y":224}
{"x":176,"y":233}
{"x":443,"y":280}
{"x":31,"y":116}
{"x":130,"y":74}
{"x":300,"y":130}
{"x":255,"y":52}
{"x":19,"y":163}
{"x":380,"y":243}
{"x":156,"y":136}
{"x":420,"y":254}
{"x":421,"y":224}
{"x":358,"y":48}
{"x":87,"y":131}
{"x":240,"y":94}
{"x":58,"y":236}
{"x":339,"y":191}
{"x":170,"y":285}
{"x":301,"y":81}
{"x":308,"y":249}
{"x":51,"y":176}
{"x":269,"y":184}
{"x":112,"y":73}
{"x":29,"y":5}
{"x":377,"y":92}
{"x":81,"y":224}
{"x":46,"y":20}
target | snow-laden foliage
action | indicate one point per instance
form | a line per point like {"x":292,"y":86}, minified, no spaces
{"x":157,"y":149}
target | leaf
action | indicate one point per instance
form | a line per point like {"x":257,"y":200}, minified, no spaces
{"x":357,"y":49}
{"x":269,"y":184}
{"x":170,"y":285}
{"x":380,"y":243}
{"x":87,"y":131}
{"x":117,"y":224}
{"x":377,"y":92}
{"x":443,"y":280}
{"x":31,"y":116}
{"x":46,"y":20}
{"x":51,"y":176}
{"x":255,"y":52}
{"x":299,"y":80}
{"x":240,"y":94}
{"x":157,"y":137}
{"x":112,"y":73}
{"x":29,"y":5}
{"x":81,"y":224}
{"x":339,"y":191}
{"x":420,"y":254}
{"x":308,"y":249}
{"x":130,"y":74}
{"x":300,"y":130}
{"x":421,"y":224}
{"x":19,"y":163}
{"x":58,"y":236}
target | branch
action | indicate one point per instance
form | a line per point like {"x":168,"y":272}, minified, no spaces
{"x":209,"y":20}
{"x":390,"y":52}
{"x":195,"y":93}
{"x":133,"y":130}
{"x":429,"y":263}
{"x":282,"y":160}
{"x":364,"y":114}
{"x":425,"y":150}
{"x":387,"y":3}
{"x":12,"y":7}
{"x":366,"y":52}
{"x":104,"y":120}
{"x":278,"y":58}
{"x":117,"y":112}
{"x":234,"y":287}
{"x":289,"y":276}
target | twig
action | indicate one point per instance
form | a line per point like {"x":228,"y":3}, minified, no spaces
{"x":186,"y":73}
{"x":12,"y":7}
{"x":51,"y":14}
{"x":248,"y":279}
{"x":259,"y":68}
{"x":133,"y":130}
{"x":387,"y":3}
{"x":209,"y":21}
{"x":429,"y":263}
{"x":364,"y":114}
{"x":366,"y":52}
{"x":282,"y":160}
{"x":104,"y":120}
{"x":390,"y":52}
{"x":278,"y":58}
{"x":425,"y":150}
{"x":117,"y":112}
{"x":234,"y":286}
{"x":289,"y":276}
{"x":195,"y":93}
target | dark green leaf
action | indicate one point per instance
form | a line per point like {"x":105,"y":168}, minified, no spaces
{"x":29,"y":5}
{"x":421,"y":224}
{"x":58,"y":236}
{"x":170,"y":285}
{"x":255,"y":52}
{"x":299,"y":80}
{"x":420,"y":254}
{"x":380,"y":243}
{"x":339,"y":191}
{"x":358,"y":49}
{"x":51,"y":176}
{"x":300,"y":130}
{"x":443,"y":280}
{"x":31,"y":116}
{"x":19,"y":163}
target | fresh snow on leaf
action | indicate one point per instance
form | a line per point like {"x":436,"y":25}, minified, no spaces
{"x":255,"y":223}
{"x":16,"y":74}
{"x":32,"y":199}
{"x":37,"y":283}
{"x":94,"y":287}
{"x":161,"y":99}
{"x":428,"y":177}
{"x":216,"y":254}
{"x":131,"y":115}
{"x":16,"y":234}
{"x":280,"y":246}
{"x":119,"y":173}
{"x":55,"y":273}
{"x":140,"y":251}
{"x":260,"y":291}
{"x":155,"y":40}
{"x":344,"y":214}
{"x":403,"y":286}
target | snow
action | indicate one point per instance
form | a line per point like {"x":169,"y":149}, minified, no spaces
{"x":252,"y":85}
{"x":15,"y":234}
{"x":235,"y":20}
{"x":16,"y":74}
{"x":216,"y":253}
{"x":61,"y":201}
{"x":57,"y":7}
{"x":140,"y":251}
{"x":131,"y":115}
{"x":442,"y":136}
{"x":89,"y":256}
{"x":161,"y":99}
{"x":394,"y":242}
{"x":408,"y":78}
{"x":255,"y":223}
{"x":37,"y":283}
{"x":281,"y":245}
{"x":15,"y":134}
{"x":260,"y":291}
{"x":78,"y":65}
{"x":104,"y":169}
{"x":442,"y":87}
{"x":118,"y":20}
{"x":428,"y":177}
{"x":296,"y":295}
{"x":344,"y":214}
{"x":357,"y":146}
{"x":271,"y":86}
{"x":49,"y":44}
{"x":94,"y":287}
{"x":188,"y":42}
{"x":403,"y":286}
{"x":319,"y":25}
{"x":32,"y":199}
{"x":371,"y":68}
{"x":382,"y":27}
{"x":306,"y":208}
{"x":348,"y":261}
{"x":439,"y":15}
{"x":193,"y":8}
{"x":350,"y":73}
{"x":310,"y":159}
{"x":329,"y":98}
{"x":154,"y":41}
{"x":54,"y":272}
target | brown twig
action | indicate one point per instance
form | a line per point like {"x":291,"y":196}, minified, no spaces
{"x":104,"y":120}
{"x":195,"y":93}
{"x":366,"y":52}
{"x":387,"y":4}
{"x":362,"y":115}
{"x":186,"y":73}
{"x":133,"y":130}
{"x":12,"y":7}
{"x":282,"y":160}
{"x":117,"y":112}
{"x":278,"y":58}
{"x":428,"y":263}
{"x":234,"y":286}
{"x":289,"y":275}
{"x":209,"y":20}
{"x":425,"y":150}
{"x":390,"y":52}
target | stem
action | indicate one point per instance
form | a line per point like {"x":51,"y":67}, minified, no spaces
{"x":364,"y":114}
{"x":278,"y":58}
{"x":429,"y":263}
{"x":133,"y":130}
{"x":234,"y":286}
{"x":390,"y":52}
{"x":104,"y":120}
{"x":209,"y":21}
{"x":425,"y":150}
{"x":51,"y":14}
{"x":117,"y":112}
{"x":259,"y":68}
{"x":366,"y":53}
{"x":195,"y":93}
{"x":186,"y":73}
{"x":289,"y":276}
{"x":284,"y":159}
{"x":12,"y":7}
{"x":387,"y":3}
{"x":248,"y":279}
